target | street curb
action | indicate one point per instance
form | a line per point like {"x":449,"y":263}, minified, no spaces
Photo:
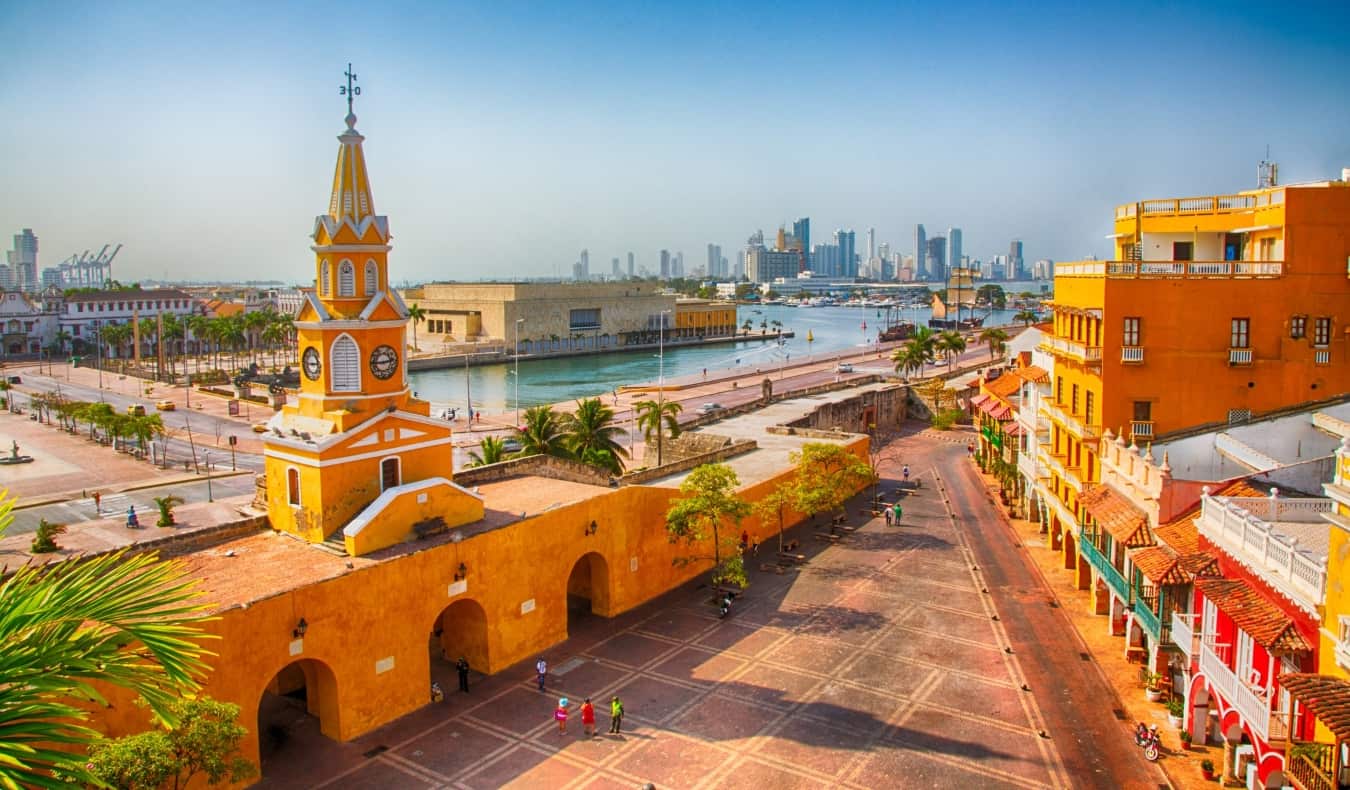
{"x":56,"y":499}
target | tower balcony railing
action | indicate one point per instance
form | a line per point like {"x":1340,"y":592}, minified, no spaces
{"x":1208,"y":204}
{"x":1239,"y":356}
{"x":1251,"y":701}
{"x":1247,"y":528}
{"x":1132,"y":354}
{"x":1072,"y":349}
{"x":1200,"y":270}
{"x":1141,"y":429}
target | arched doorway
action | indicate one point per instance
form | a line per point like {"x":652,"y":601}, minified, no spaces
{"x":298,"y":706}
{"x":459,"y":630}
{"x":587,"y":589}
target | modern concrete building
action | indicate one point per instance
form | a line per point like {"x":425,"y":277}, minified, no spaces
{"x":612,"y":314}
{"x":23,"y":262}
{"x":764,"y":265}
{"x":954,"y":247}
{"x":920,"y":253}
{"x":846,"y":241}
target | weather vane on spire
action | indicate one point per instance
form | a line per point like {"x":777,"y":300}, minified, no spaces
{"x":350,"y":91}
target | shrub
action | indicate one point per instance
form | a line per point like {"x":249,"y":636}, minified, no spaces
{"x":1176,"y":707}
{"x":945,"y":419}
{"x":44,"y":540}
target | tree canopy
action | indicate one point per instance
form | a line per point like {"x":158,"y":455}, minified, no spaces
{"x":707,"y":506}
{"x":827,"y":475}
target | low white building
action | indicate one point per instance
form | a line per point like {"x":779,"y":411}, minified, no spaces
{"x":27,"y":327}
{"x":83,"y":313}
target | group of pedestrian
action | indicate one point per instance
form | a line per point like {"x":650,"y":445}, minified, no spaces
{"x":563,"y":711}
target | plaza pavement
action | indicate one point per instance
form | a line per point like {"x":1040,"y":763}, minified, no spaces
{"x":878,"y":664}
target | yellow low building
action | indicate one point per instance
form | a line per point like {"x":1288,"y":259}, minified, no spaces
{"x":703,"y":318}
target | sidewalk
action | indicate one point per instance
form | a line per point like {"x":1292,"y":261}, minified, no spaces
{"x":1108,"y":654}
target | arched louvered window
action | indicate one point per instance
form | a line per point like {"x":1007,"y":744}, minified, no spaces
{"x":344,"y":361}
{"x":372,"y":278}
{"x":346,"y":279}
{"x":325,"y":277}
{"x":293,"y":486}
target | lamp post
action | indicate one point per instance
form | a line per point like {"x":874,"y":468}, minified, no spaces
{"x":206,"y":457}
{"x":519,"y":321}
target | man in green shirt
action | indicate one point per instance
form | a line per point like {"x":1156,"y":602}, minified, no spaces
{"x":615,"y":715}
{"x":898,"y":513}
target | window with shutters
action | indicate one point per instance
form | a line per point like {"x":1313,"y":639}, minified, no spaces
{"x":372,"y":278}
{"x":345,"y":363}
{"x":389,"y":473}
{"x":1298,"y":326}
{"x":1240,"y":336}
{"x":293,"y":486}
{"x":325,"y":275}
{"x":1131,"y":332}
{"x":1322,"y":331}
{"x":346,"y":279}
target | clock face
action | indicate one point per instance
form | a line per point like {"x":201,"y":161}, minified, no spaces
{"x":383,"y":362}
{"x":311,"y":363}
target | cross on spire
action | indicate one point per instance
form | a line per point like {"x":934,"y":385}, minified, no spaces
{"x":351,"y":91}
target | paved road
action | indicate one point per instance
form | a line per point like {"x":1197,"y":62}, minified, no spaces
{"x":115,"y":505}
{"x":1075,"y":700}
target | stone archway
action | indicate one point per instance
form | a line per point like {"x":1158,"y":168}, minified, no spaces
{"x":299,"y":705}
{"x":459,"y":630}
{"x":587,"y":588}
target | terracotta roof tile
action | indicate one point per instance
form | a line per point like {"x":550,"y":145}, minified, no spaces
{"x":1242,"y":488}
{"x":1004,"y":386}
{"x":1262,"y":620}
{"x":1159,"y":565}
{"x":1117,"y":515}
{"x":1033,"y":374}
{"x":1328,"y":698}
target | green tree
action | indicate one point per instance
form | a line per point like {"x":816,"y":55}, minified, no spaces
{"x":1027,"y":317}
{"x":950,"y":343}
{"x":707,"y":503}
{"x":748,"y":325}
{"x":660,"y":418}
{"x":542,"y":433}
{"x":592,"y":436}
{"x":166,"y":504}
{"x":491,"y":450}
{"x":44,"y":538}
{"x":68,"y":625}
{"x":416,"y":314}
{"x":996,"y":339}
{"x":827,"y":475}
{"x":993,"y":295}
{"x":204,"y":741}
{"x":775,"y":507}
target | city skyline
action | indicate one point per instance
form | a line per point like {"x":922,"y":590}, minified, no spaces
{"x":501,"y":152}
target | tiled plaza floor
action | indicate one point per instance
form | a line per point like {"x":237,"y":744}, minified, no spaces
{"x":877,"y":664}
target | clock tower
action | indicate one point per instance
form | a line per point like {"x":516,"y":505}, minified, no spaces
{"x":355,"y":436}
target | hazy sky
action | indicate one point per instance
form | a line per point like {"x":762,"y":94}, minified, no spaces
{"x":503,"y":138}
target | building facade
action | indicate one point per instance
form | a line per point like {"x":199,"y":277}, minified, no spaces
{"x":27,"y":326}
{"x":23,"y":262}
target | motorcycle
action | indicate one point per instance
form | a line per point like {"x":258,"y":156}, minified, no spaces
{"x":1146,"y":737}
{"x":725,"y":608}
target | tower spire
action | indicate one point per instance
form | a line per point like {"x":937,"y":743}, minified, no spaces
{"x":351,"y":90}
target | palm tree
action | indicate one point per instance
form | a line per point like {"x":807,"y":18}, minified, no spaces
{"x":62,"y":338}
{"x":1027,"y":317}
{"x":253,"y":325}
{"x":542,"y":434}
{"x":996,"y":339}
{"x":493,"y":452}
{"x":748,"y":325}
{"x":950,"y":343}
{"x":273,"y":335}
{"x":592,"y":435}
{"x":909,"y":358}
{"x":658,"y":417}
{"x":65,"y":633}
{"x":416,"y":314}
{"x":166,"y":504}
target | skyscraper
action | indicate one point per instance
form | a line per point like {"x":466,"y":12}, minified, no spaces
{"x":665,"y":264}
{"x":630,"y":264}
{"x":937,"y":259}
{"x":920,"y":253}
{"x":677,"y":265}
{"x":23,"y":261}
{"x":715,"y":268}
{"x":614,"y":269}
{"x":801,"y":229}
{"x":846,"y":240}
{"x":871,"y":243}
{"x":953,"y":247}
{"x":1017,"y":266}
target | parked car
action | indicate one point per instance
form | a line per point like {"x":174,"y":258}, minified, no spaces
{"x":511,"y":445}
{"x":844,"y":367}
{"x":136,"y":410}
{"x":15,"y":380}
{"x":709,"y":408}
{"x":260,"y":427}
{"x":166,"y":405}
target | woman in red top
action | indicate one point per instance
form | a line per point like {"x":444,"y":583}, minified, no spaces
{"x":588,"y":717}
{"x":561,"y":715}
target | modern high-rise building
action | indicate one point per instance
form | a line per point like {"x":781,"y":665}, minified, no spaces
{"x":630,"y":264}
{"x":871,"y":243}
{"x":920,"y":253}
{"x":665,"y":264}
{"x":23,"y":261}
{"x":953,"y":247}
{"x":715,"y":268}
{"x":825,"y":260}
{"x":846,"y":241}
{"x":801,"y":230}
{"x":1017,"y":267}
{"x":677,"y":265}
{"x":937,"y":259}
{"x":614,"y":269}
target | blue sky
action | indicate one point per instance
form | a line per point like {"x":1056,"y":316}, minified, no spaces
{"x":505,"y":137}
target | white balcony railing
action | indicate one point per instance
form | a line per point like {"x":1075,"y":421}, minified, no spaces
{"x":1141,"y":429}
{"x":1247,"y":528}
{"x":1252,"y":703}
{"x":1184,"y":633}
{"x":1322,"y":356}
{"x":1132,"y":354}
{"x":1026,"y":464}
{"x":1201,"y":270}
{"x":1239,"y":356}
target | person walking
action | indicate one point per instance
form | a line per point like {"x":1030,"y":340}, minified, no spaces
{"x":541,"y":669}
{"x":898,"y":514}
{"x":463,"y":667}
{"x":588,"y":718}
{"x":561,"y":716}
{"x":888,"y":513}
{"x":905,"y":472}
{"x":615,"y":715}
{"x":98,"y":503}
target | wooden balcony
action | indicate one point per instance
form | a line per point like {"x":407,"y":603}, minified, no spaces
{"x":1313,"y":768}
